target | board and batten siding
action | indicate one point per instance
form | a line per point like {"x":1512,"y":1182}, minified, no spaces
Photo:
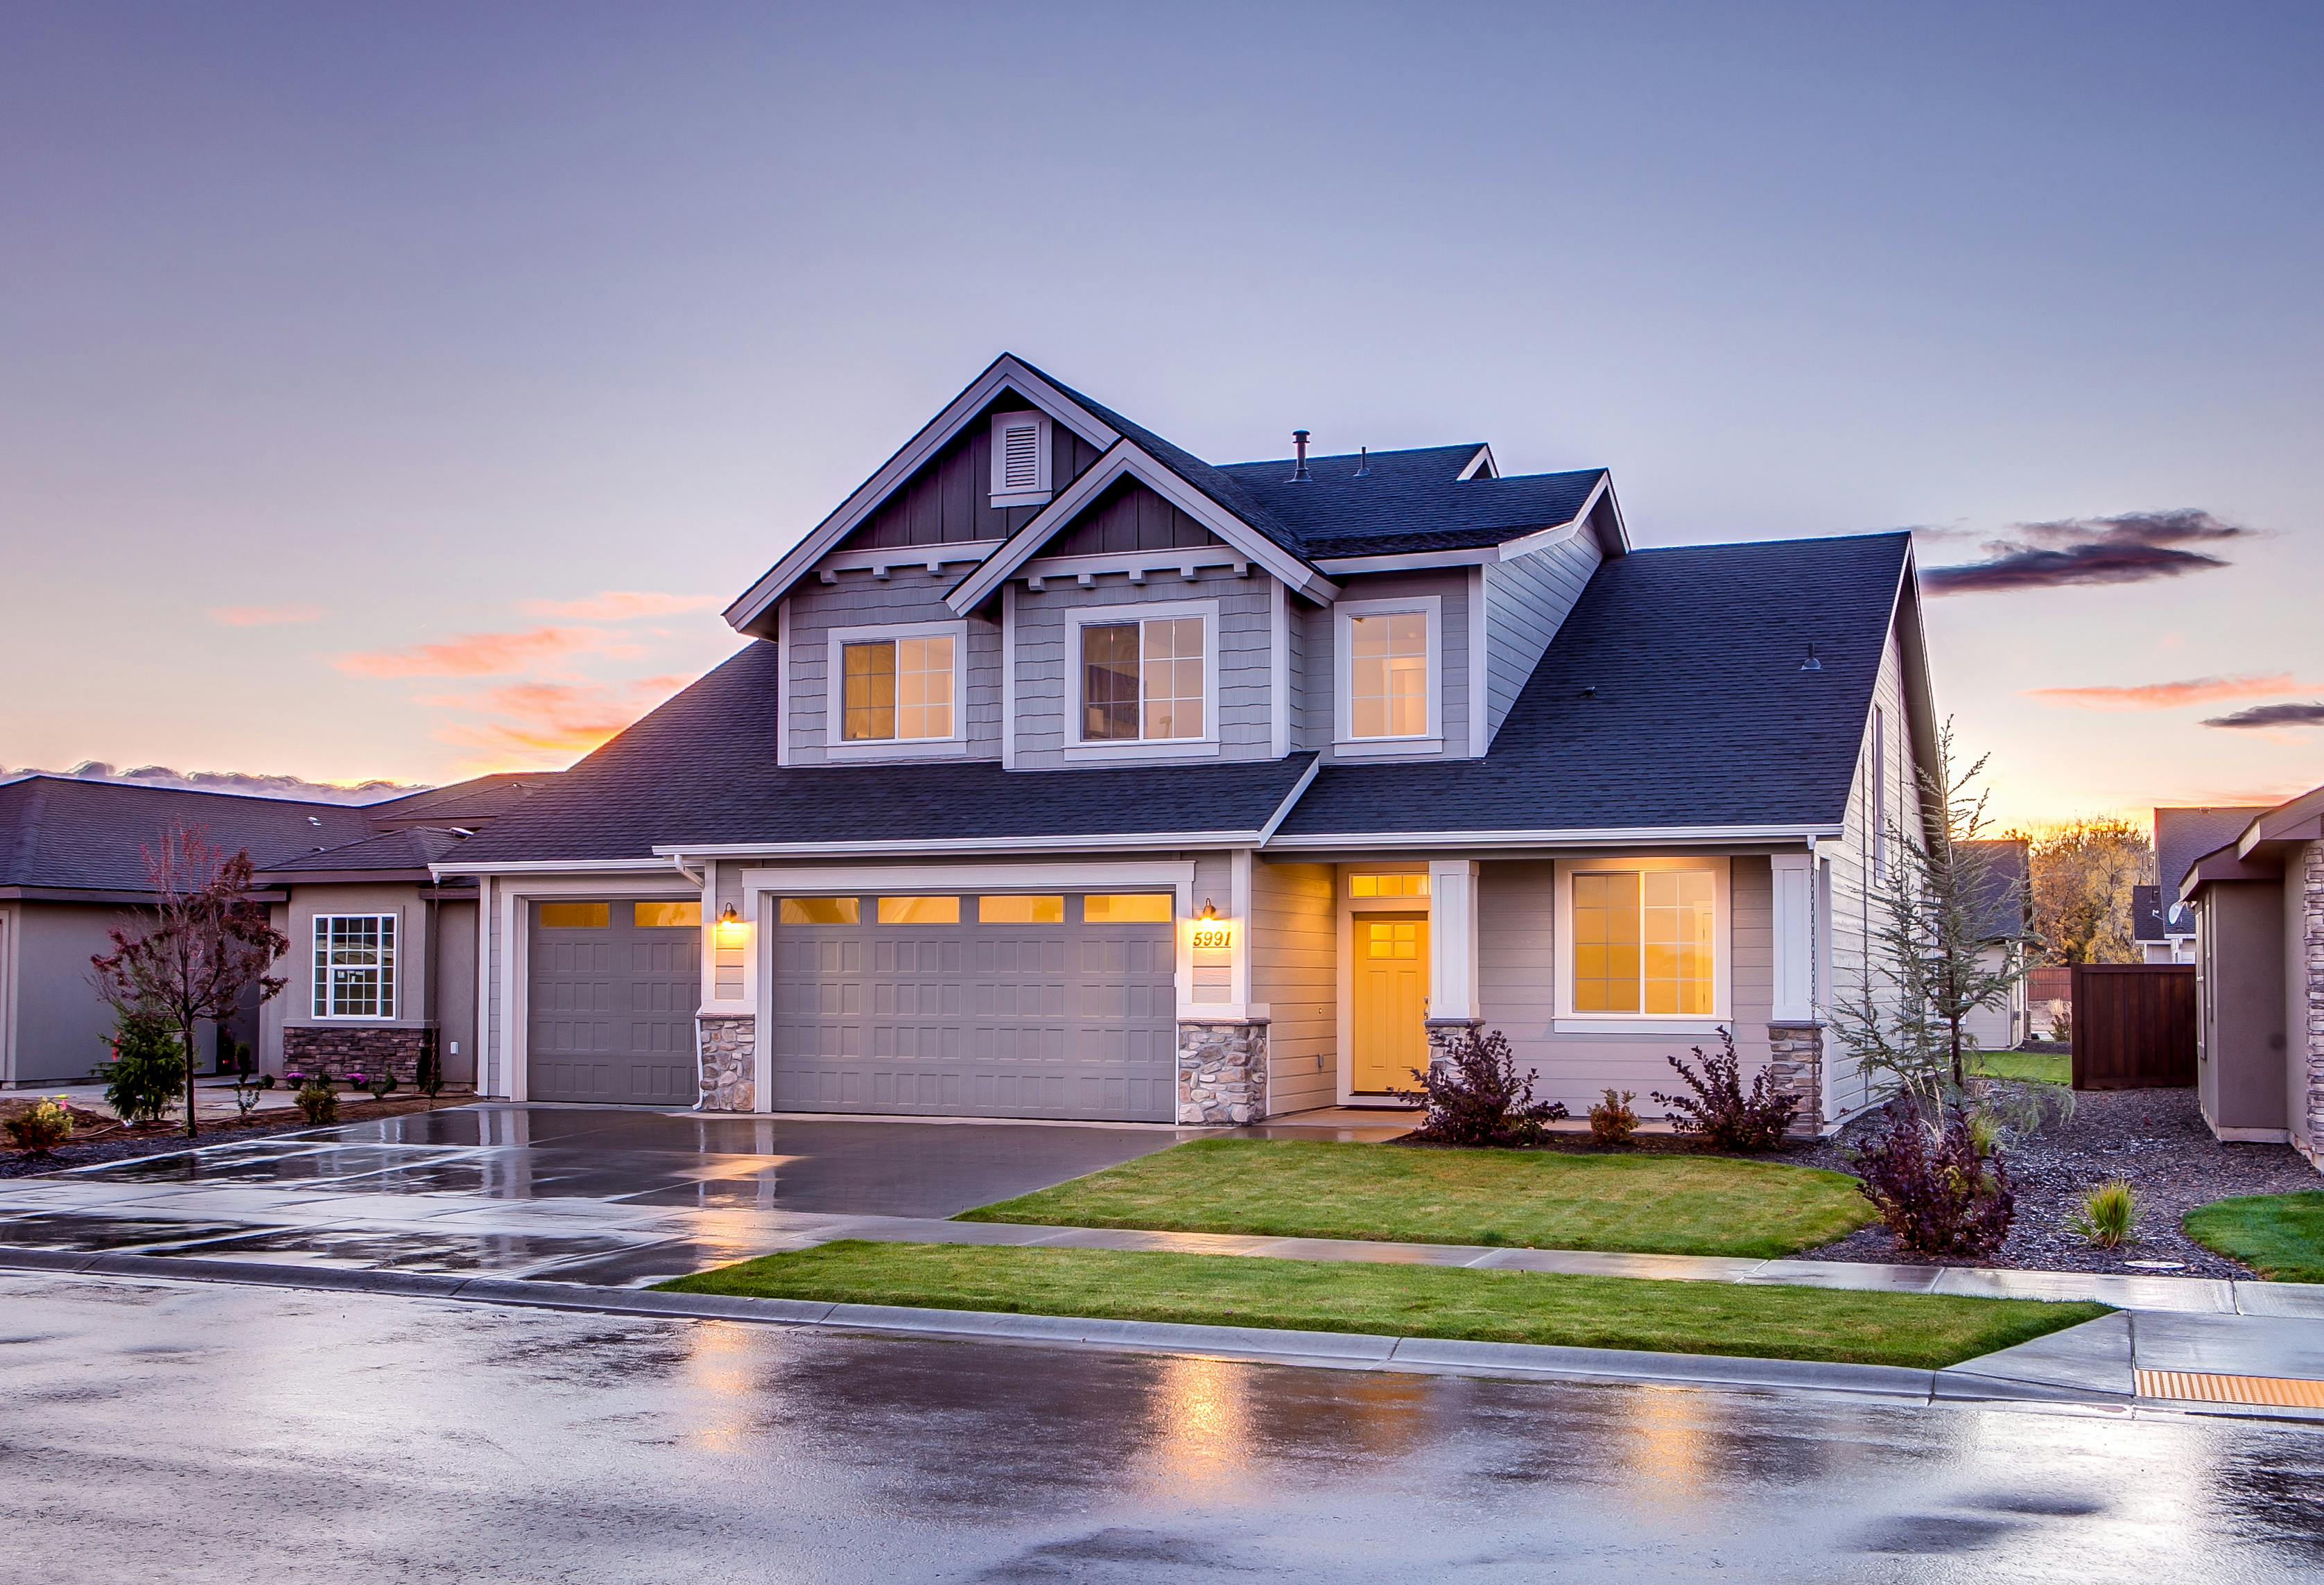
{"x":1047,"y":691}
{"x":1526,"y":600}
{"x":1516,"y":983}
{"x":1294,"y":947}
{"x":1318,"y":721}
{"x":949,"y":501}
{"x":1855,"y":904}
{"x":860,"y":600}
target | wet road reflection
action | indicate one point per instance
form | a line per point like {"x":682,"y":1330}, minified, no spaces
{"x":242,"y":1435}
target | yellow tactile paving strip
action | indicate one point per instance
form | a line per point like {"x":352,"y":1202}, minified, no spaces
{"x":2274,"y":1392}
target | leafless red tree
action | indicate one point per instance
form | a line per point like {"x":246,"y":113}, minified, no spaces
{"x":201,"y":948}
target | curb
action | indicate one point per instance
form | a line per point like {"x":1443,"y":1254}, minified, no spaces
{"x":1326,"y":1349}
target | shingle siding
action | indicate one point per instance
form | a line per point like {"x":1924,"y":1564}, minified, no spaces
{"x":860,"y":600}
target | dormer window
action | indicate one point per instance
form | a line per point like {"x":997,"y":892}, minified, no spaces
{"x":1021,"y":459}
{"x":1389,"y":691}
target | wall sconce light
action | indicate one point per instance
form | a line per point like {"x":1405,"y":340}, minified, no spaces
{"x":1210,"y":910}
{"x":731,"y":928}
{"x":731,"y":917}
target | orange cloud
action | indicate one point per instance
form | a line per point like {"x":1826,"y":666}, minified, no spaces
{"x":548,"y":718}
{"x":471,"y":654}
{"x":621,"y":606}
{"x":264,"y":615}
{"x":2168,"y":696}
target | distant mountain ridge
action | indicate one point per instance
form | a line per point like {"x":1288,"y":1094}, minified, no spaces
{"x":230,"y":781}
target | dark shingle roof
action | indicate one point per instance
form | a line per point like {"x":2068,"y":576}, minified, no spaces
{"x":652,"y":785}
{"x":1701,"y":714}
{"x":2146,"y":914}
{"x":460,"y":803}
{"x":2182,"y":836}
{"x":1410,"y":500}
{"x":2002,"y":899}
{"x":412,"y":849}
{"x":60,"y":832}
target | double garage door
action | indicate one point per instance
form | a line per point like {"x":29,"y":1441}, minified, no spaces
{"x":1060,"y":1005}
{"x":993,"y":1006}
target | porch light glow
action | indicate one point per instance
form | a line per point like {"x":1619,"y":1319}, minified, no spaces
{"x":1210,"y":910}
{"x":731,"y":928}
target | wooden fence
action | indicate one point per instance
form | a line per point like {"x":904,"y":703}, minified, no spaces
{"x":2134,"y":1025}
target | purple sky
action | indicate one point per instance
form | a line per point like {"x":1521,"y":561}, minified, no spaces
{"x":351,"y":364}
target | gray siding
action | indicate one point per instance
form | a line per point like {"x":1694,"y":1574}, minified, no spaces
{"x":63,"y":1028}
{"x":1294,"y":947}
{"x":1317,"y":723}
{"x":1526,"y":602}
{"x":950,"y":499}
{"x":1128,"y":516}
{"x":1048,"y":684}
{"x":1517,"y":985}
{"x":860,"y":600}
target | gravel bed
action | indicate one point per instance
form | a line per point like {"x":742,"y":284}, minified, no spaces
{"x":2156,"y":1139}
{"x":124,"y":1145}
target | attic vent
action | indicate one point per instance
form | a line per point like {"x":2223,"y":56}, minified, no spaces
{"x":1020,"y":459}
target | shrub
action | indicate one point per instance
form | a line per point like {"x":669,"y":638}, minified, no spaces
{"x":1476,"y":1097}
{"x":1611,"y":1121}
{"x":382,"y":1086}
{"x":2107,"y":1216}
{"x":2062,"y":1026}
{"x":1935,"y":1193}
{"x":317,"y":1100}
{"x":1719,"y":1113}
{"x":41,"y":1127}
{"x":428,"y":1077}
{"x":148,"y":1070}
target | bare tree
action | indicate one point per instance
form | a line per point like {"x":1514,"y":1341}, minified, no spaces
{"x":205,"y":945}
{"x":1928,"y":941}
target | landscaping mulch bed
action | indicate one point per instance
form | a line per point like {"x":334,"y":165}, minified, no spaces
{"x":99,"y":1138}
{"x":2155,"y":1138}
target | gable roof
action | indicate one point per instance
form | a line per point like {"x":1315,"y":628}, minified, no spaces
{"x":1413,"y":500}
{"x":2183,"y":835}
{"x":62,"y":833}
{"x":408,"y":852}
{"x":1672,"y":700}
{"x":461,"y":803}
{"x":2004,"y":895}
{"x":641,"y":792}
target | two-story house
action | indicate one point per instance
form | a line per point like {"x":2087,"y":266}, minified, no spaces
{"x":1066,"y":775}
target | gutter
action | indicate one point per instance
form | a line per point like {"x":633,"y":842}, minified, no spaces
{"x":1607,"y":836}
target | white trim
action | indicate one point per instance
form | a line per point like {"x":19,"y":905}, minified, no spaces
{"x":1344,"y":911}
{"x":1480,"y":737}
{"x":1409,"y":561}
{"x":487,"y":1046}
{"x":835,"y":710}
{"x":1238,"y":904}
{"x":1388,"y":748}
{"x":783,"y":683}
{"x":1138,"y":566}
{"x":1538,"y":540}
{"x":929,"y":558}
{"x":1608,"y":836}
{"x":1722,"y":949}
{"x":1035,"y":494}
{"x":388,"y":971}
{"x":657,"y":865}
{"x":1009,"y":676}
{"x":1291,"y":799}
{"x":1125,"y":458}
{"x":1343,"y":670}
{"x":1279,"y":668}
{"x":1452,"y":943}
{"x":1793,"y":977}
{"x":1006,"y":373}
{"x":1480,"y":464}
{"x":1096,"y":842}
{"x":1142,"y":611}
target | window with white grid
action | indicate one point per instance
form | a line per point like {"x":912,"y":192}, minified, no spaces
{"x":355,"y":965}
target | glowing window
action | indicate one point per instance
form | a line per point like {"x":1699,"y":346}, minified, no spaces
{"x":1387,"y":675}
{"x":1643,"y":942}
{"x":1020,"y":910}
{"x":1387,"y":885}
{"x":1127,"y":907}
{"x":575,"y":916}
{"x":666,"y":916}
{"x":1395,"y":938}
{"x":896,"y":689}
{"x":1142,"y":680}
{"x":817,"y":910}
{"x":919,"y":910}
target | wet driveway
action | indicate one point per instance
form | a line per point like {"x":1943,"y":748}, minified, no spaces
{"x":230,"y":1434}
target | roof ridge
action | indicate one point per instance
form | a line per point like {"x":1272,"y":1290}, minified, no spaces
{"x":61,"y":780}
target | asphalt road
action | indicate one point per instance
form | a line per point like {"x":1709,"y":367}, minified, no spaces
{"x":189,"y":1432}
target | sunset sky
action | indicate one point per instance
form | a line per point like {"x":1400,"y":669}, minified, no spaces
{"x":400,"y":393}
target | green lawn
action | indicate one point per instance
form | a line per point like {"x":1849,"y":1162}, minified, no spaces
{"x":2278,"y":1236}
{"x":1920,"y":1330}
{"x":2036,"y":1067}
{"x":1533,"y":1199}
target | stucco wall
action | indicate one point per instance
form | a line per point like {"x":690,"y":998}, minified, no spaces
{"x":2240,"y":1067}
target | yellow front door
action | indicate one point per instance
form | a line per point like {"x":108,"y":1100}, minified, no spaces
{"x":1391,"y":1001}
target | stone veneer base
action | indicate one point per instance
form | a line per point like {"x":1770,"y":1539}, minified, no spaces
{"x":724,"y":1043}
{"x":341,"y":1049}
{"x":1796,"y":1068}
{"x":1221,"y":1072}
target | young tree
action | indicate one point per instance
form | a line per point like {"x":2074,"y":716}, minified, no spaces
{"x":205,"y":945}
{"x":1927,"y":950}
{"x":2083,"y":873}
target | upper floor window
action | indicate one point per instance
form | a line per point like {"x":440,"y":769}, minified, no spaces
{"x":1021,"y":459}
{"x":1145,"y":680}
{"x":354,"y":966}
{"x":1387,"y":682}
{"x":896,"y":685}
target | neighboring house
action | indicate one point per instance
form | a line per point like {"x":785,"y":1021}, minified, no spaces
{"x":2163,"y":925}
{"x":1067,"y":774}
{"x":346,"y":883}
{"x":2259,"y":898}
{"x":2005,"y":906}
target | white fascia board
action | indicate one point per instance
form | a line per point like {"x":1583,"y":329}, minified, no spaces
{"x":1291,"y":799}
{"x":1482,"y":463}
{"x":657,"y":865}
{"x":1006,"y":374}
{"x":1415,"y":561}
{"x":1161,"y":842}
{"x":1126,"y":457}
{"x":1610,"y":836}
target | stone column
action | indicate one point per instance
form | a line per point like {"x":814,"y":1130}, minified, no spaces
{"x":1221,"y":1072}
{"x":1444,"y":1035}
{"x":2306,"y":873}
{"x":725,"y":1042}
{"x":1796,"y":1068}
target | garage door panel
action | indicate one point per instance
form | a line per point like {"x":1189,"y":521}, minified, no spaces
{"x":611,"y":1007}
{"x":1058,"y":1019}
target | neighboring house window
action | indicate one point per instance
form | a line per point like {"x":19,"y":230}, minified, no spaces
{"x":355,"y":965}
{"x":1644,"y":938}
{"x":1143,"y":681}
{"x":1879,"y":793}
{"x":1021,"y":459}
{"x":1388,"y":673}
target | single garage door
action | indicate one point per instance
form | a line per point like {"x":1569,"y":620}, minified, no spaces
{"x":994,"y":1005}
{"x":614,"y":986}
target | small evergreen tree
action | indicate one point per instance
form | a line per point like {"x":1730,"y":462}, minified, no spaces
{"x":1924,"y":973}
